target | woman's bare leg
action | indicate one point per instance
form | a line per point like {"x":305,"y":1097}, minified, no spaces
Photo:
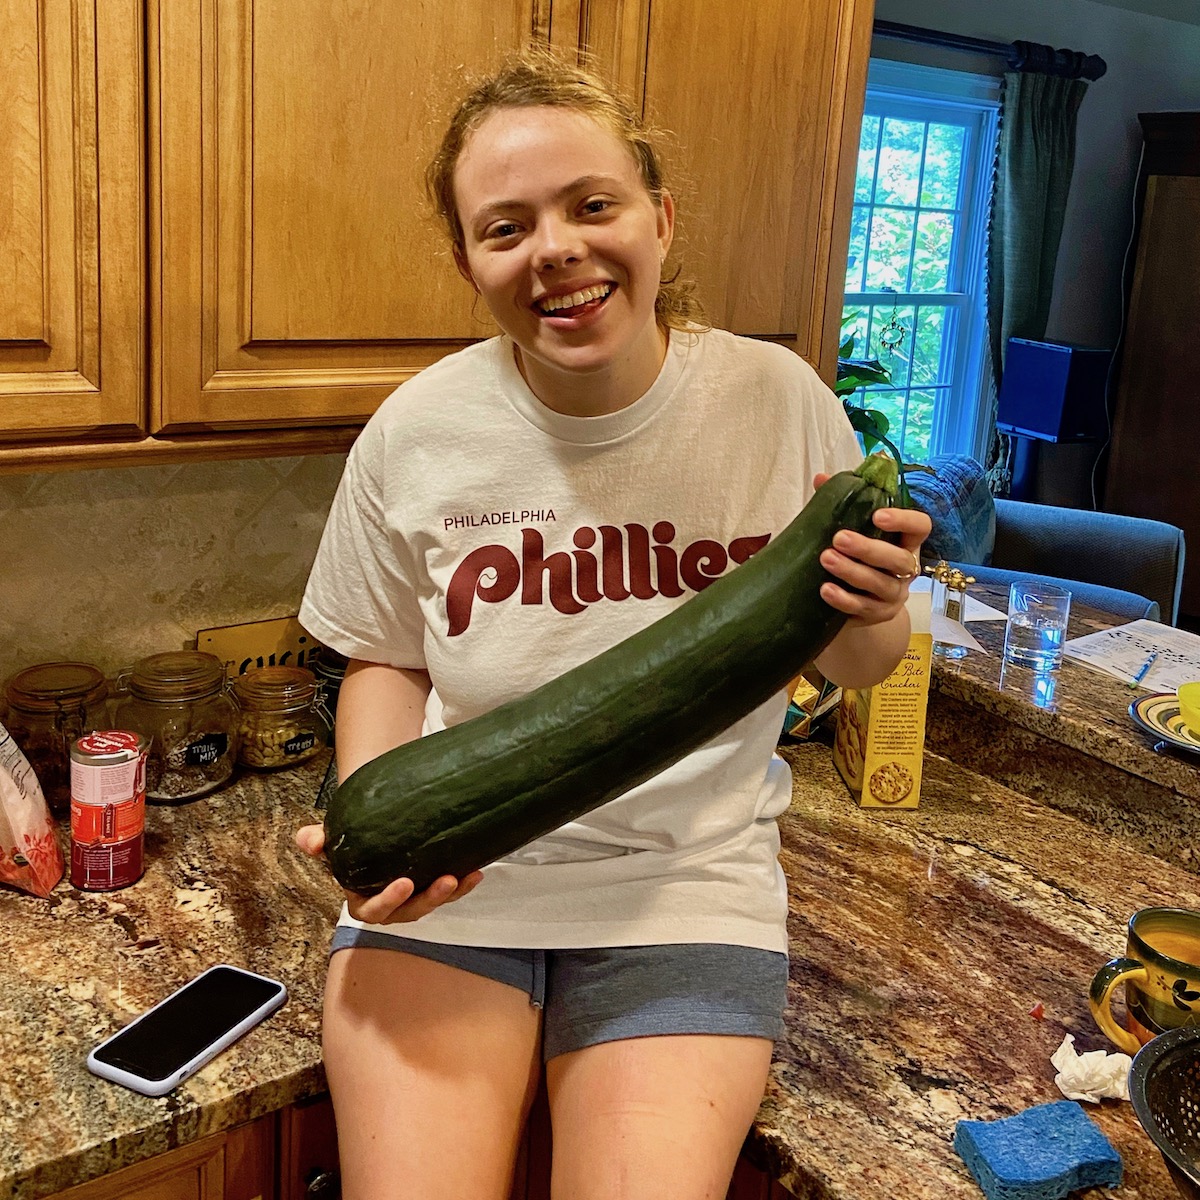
{"x":656,"y":1116}
{"x":432,"y":1070}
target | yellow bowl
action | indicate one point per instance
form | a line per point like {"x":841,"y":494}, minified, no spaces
{"x":1189,"y":705}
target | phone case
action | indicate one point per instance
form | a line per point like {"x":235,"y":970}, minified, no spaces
{"x":160,"y":1087}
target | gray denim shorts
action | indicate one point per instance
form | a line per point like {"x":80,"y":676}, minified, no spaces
{"x":604,"y":995}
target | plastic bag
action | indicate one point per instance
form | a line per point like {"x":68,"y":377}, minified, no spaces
{"x":30,"y":855}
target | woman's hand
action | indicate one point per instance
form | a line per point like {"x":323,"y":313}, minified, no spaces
{"x":396,"y":903}
{"x":876,"y":573}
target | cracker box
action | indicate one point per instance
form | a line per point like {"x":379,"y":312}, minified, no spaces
{"x":879,"y":745}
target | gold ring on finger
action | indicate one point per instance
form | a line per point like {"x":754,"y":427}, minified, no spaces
{"x":914,"y":572}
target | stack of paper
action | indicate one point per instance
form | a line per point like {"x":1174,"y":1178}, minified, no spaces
{"x":1125,"y":649}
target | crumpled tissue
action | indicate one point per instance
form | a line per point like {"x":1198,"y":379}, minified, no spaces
{"x":1093,"y":1076}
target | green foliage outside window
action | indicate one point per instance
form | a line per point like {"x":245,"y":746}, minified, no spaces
{"x":906,"y":213}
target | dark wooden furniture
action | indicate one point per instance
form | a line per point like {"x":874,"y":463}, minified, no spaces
{"x":1152,"y":465}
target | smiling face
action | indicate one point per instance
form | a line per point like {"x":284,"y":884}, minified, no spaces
{"x":565,"y":244}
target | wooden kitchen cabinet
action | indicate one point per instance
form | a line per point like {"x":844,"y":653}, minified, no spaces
{"x":762,"y":104}
{"x":72,"y":221}
{"x":295,"y":274}
{"x":271,"y":272}
{"x":298,"y":276}
{"x":308,"y":1151}
{"x":236,"y":1165}
{"x":289,"y":1155}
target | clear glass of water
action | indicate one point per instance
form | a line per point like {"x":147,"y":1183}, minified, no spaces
{"x":1037,"y":625}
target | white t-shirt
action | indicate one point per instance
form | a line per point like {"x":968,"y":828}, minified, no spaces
{"x":483,"y":537}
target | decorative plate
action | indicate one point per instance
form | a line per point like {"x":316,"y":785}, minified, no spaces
{"x":1159,"y":716}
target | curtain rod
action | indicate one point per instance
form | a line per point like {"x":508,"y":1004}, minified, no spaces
{"x":1019,"y":56}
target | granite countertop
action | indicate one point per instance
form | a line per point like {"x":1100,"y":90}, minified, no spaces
{"x":1077,"y":707}
{"x":920,"y":942}
{"x":223,"y":883}
{"x":1067,"y":740}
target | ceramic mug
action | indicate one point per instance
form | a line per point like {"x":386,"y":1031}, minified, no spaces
{"x":1161,"y":973}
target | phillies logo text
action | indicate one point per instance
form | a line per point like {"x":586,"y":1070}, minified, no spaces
{"x":609,"y":563}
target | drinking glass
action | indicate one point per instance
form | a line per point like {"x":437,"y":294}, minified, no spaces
{"x":1037,"y":625}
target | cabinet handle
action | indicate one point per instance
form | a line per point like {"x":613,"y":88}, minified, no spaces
{"x":324,"y":1185}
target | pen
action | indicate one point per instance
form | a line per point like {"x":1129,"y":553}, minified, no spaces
{"x":1141,"y":673}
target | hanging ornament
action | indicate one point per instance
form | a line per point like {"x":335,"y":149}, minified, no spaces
{"x":891,"y":336}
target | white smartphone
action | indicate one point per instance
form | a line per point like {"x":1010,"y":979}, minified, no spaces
{"x":160,"y":1049}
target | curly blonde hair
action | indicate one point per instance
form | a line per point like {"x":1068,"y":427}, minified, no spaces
{"x":536,"y":78}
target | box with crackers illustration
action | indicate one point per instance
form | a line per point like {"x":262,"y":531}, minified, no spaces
{"x":879,"y":744}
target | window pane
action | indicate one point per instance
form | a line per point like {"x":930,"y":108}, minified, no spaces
{"x":918,"y":426}
{"x":943,"y":166}
{"x":928,"y":352}
{"x":899,"y":161}
{"x":856,"y":328}
{"x":891,"y":244}
{"x":914,"y":229}
{"x":856,"y":259}
{"x":866,"y":160}
{"x":931,"y":253}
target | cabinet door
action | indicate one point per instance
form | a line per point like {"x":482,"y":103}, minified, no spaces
{"x":296,"y":277}
{"x":236,"y":1165}
{"x":308,"y":1151}
{"x":72,"y":214}
{"x":195,"y":1172}
{"x":763,"y":102}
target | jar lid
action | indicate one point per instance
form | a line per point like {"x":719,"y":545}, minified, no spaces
{"x":276,"y":687}
{"x":49,"y":687}
{"x":177,"y":675}
{"x":329,"y":664}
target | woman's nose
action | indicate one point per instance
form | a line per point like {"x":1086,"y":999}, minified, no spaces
{"x":558,"y":244}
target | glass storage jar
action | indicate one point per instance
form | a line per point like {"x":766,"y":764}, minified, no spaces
{"x":49,"y":706}
{"x":329,"y":667}
{"x":283,"y":717}
{"x":180,"y":701}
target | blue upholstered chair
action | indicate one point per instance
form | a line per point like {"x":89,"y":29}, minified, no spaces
{"x":1128,"y":566}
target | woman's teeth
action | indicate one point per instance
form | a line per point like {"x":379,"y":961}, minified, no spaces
{"x":556,"y":303}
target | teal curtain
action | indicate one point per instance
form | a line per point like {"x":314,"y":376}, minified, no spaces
{"x":1035,"y":159}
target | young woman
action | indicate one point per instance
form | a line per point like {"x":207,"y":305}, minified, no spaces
{"x":507,"y":514}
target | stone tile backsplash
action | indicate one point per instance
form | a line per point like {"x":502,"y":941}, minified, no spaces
{"x":105,"y":566}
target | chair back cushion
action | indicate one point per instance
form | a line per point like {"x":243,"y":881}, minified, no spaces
{"x":1132,"y":553}
{"x":1116,"y":602}
{"x":961,"y":507}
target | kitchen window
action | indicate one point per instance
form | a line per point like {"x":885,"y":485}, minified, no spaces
{"x":916,"y":269}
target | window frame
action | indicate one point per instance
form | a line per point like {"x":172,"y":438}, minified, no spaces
{"x":917,"y":92}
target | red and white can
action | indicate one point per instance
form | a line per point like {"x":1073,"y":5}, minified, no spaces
{"x":108,"y":809}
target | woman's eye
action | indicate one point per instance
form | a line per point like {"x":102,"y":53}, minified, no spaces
{"x":596,"y":206}
{"x":505,"y":229}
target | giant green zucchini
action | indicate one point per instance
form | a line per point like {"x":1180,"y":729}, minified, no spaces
{"x":460,"y":798}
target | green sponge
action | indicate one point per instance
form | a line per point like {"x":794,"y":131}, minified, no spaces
{"x":1043,"y":1153}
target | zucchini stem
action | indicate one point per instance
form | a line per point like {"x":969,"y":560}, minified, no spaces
{"x":899,"y":488}
{"x":881,"y":471}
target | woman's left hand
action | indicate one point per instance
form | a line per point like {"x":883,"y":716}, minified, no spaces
{"x":876,"y":572}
